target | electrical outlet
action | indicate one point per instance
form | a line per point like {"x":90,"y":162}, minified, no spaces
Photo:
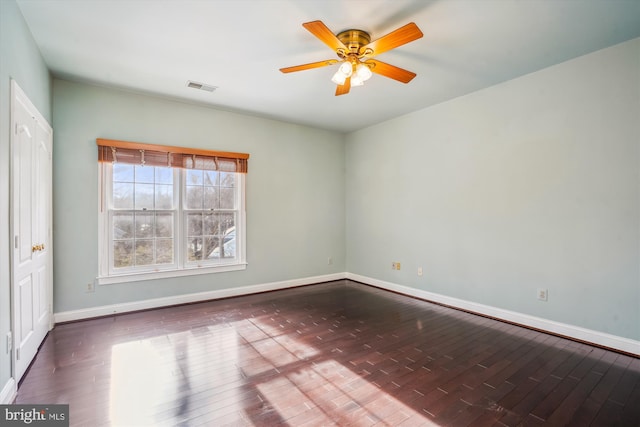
{"x":91,"y":287}
{"x":329,"y":261}
{"x":543,"y":294}
{"x":419,"y":271}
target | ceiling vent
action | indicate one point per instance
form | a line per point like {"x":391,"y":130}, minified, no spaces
{"x":201,"y":86}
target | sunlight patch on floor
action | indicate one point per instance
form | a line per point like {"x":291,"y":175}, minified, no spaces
{"x":332,"y":392}
{"x":138,"y":375}
{"x":161,"y":375}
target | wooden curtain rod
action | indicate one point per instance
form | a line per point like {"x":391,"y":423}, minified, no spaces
{"x":168,"y":149}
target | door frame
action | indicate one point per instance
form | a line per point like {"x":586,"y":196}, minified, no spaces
{"x":17,"y":92}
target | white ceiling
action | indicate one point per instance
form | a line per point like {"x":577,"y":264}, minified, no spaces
{"x":239,"y":45}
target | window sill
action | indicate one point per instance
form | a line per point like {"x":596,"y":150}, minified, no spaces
{"x":151,"y":275}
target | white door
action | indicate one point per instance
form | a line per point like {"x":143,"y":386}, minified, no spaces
{"x":32,"y":142}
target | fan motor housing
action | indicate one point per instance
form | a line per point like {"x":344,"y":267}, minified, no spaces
{"x":354,"y":39}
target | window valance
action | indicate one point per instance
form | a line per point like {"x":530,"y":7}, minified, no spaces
{"x":163,"y":155}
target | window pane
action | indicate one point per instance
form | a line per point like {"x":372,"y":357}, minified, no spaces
{"x":164,"y":175}
{"x":211,"y":198}
{"x":123,"y":253}
{"x":227,"y":223}
{"x":144,"y":174}
{"x":194,"y":177}
{"x":229,"y":245}
{"x":122,"y":226}
{"x":210,"y":224}
{"x":210,"y":245}
{"x":122,"y":195}
{"x":164,"y":251}
{"x":144,"y":252}
{"x":194,"y":197}
{"x":164,"y":196}
{"x":227,"y":198}
{"x":226,"y":246}
{"x":210,"y":178}
{"x":194,"y":224}
{"x":194,"y":248}
{"x":164,"y":225}
{"x":144,"y":225}
{"x":122,"y":172}
{"x":144,"y":196}
{"x":227,"y":179}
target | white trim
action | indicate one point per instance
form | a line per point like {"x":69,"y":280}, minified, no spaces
{"x":8,"y":393}
{"x":106,"y":310}
{"x":599,"y":338}
{"x":587,"y":335}
{"x":151,"y":275}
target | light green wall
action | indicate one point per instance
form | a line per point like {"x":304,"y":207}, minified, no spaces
{"x":20,"y":59}
{"x":295,"y":190}
{"x":530,"y":184}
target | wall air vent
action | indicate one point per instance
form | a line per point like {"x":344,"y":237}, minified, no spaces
{"x":201,"y":86}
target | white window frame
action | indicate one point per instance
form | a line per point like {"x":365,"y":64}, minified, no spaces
{"x":180,"y":267}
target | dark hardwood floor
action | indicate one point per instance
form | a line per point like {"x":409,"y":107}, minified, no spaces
{"x":339,"y":353}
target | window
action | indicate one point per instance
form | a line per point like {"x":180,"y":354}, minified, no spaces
{"x":169,"y":211}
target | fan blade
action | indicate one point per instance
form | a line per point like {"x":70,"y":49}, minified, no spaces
{"x":309,"y":66}
{"x":402,"y":35}
{"x":391,"y":71}
{"x":321,"y":31}
{"x":344,"y":88}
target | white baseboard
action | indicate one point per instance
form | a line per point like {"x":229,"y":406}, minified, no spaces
{"x":587,"y":335}
{"x":8,"y":392}
{"x":106,"y":310}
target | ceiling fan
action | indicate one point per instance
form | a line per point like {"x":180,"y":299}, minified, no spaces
{"x":355,"y":50}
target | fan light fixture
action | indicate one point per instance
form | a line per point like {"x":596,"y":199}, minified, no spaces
{"x":345,"y":70}
{"x":361,"y":74}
